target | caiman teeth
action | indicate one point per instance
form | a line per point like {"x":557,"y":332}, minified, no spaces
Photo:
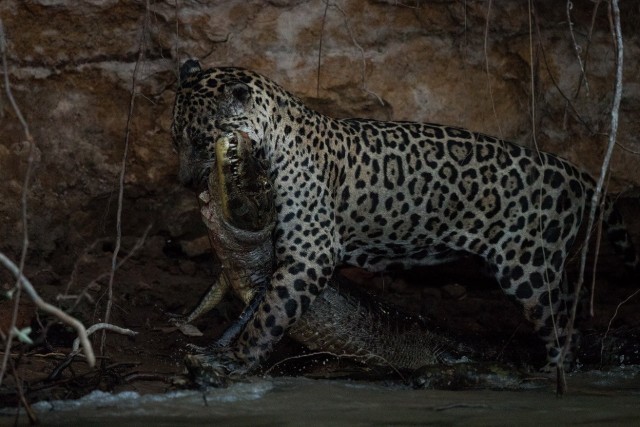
{"x":205,"y":197}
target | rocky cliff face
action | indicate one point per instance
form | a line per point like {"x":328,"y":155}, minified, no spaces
{"x":71,"y":67}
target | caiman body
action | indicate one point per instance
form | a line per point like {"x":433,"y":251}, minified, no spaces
{"x":239,"y":213}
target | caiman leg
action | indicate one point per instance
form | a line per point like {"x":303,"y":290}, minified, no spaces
{"x":210,"y":300}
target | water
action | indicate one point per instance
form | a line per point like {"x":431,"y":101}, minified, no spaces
{"x":594,"y":398}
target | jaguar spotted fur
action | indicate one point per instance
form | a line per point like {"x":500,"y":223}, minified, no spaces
{"x":385,"y":194}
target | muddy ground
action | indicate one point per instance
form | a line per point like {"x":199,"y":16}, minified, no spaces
{"x":165,"y":277}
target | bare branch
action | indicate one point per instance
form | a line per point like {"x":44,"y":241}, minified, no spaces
{"x":104,"y":326}
{"x":116,"y":251}
{"x":583,"y":75}
{"x":53,"y":310}
{"x":25,"y":188}
{"x":595,"y":200}
{"x":84,"y":294}
{"x":3,"y":51}
{"x":577,"y":48}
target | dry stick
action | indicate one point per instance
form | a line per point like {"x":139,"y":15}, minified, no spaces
{"x":577,"y":47}
{"x":106,"y":326}
{"x":583,"y":75}
{"x":21,"y":281}
{"x":116,"y":251}
{"x":617,"y":38}
{"x":139,"y":244}
{"x":628,"y":150}
{"x":33,"y":419}
{"x":51,"y":309}
{"x":25,"y":187}
{"x":76,"y":265}
{"x":569,"y":103}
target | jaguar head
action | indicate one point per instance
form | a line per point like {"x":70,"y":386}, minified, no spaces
{"x":212,"y":102}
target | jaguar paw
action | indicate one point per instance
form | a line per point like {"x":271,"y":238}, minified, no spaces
{"x":215,"y":369}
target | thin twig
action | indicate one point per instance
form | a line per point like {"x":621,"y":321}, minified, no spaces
{"x":577,"y":48}
{"x":116,"y":251}
{"x":583,"y":75}
{"x":617,"y":40}
{"x":569,"y":103}
{"x":615,"y":314}
{"x":33,"y":419}
{"x":104,"y":326}
{"x":25,"y":189}
{"x":628,"y":150}
{"x":16,"y":109}
{"x":84,"y":293}
{"x":48,"y":308}
{"x":76,"y":265}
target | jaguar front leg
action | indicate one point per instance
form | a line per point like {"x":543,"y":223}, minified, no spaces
{"x":294,"y":286}
{"x":306,"y":255}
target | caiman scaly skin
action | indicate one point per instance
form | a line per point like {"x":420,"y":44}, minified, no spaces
{"x":240,"y":215}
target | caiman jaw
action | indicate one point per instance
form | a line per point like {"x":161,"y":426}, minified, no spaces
{"x":239,"y":185}
{"x":226,"y":149}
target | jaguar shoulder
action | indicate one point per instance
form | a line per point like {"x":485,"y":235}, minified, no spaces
{"x":375,"y":194}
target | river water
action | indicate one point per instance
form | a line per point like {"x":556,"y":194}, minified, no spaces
{"x":594,"y":398}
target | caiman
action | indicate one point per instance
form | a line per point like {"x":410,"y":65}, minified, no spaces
{"x":239,"y":212}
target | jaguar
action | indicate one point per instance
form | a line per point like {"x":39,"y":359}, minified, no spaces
{"x":381,"y":195}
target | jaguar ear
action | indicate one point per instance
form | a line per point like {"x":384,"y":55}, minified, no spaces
{"x":238,"y":93}
{"x":189,"y":68}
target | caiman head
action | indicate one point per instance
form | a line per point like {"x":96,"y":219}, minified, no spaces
{"x":240,"y":200}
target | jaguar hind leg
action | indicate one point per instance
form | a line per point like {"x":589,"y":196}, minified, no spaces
{"x":547,"y":304}
{"x":550,"y":317}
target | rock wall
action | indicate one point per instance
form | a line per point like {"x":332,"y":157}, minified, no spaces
{"x":71,"y":64}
